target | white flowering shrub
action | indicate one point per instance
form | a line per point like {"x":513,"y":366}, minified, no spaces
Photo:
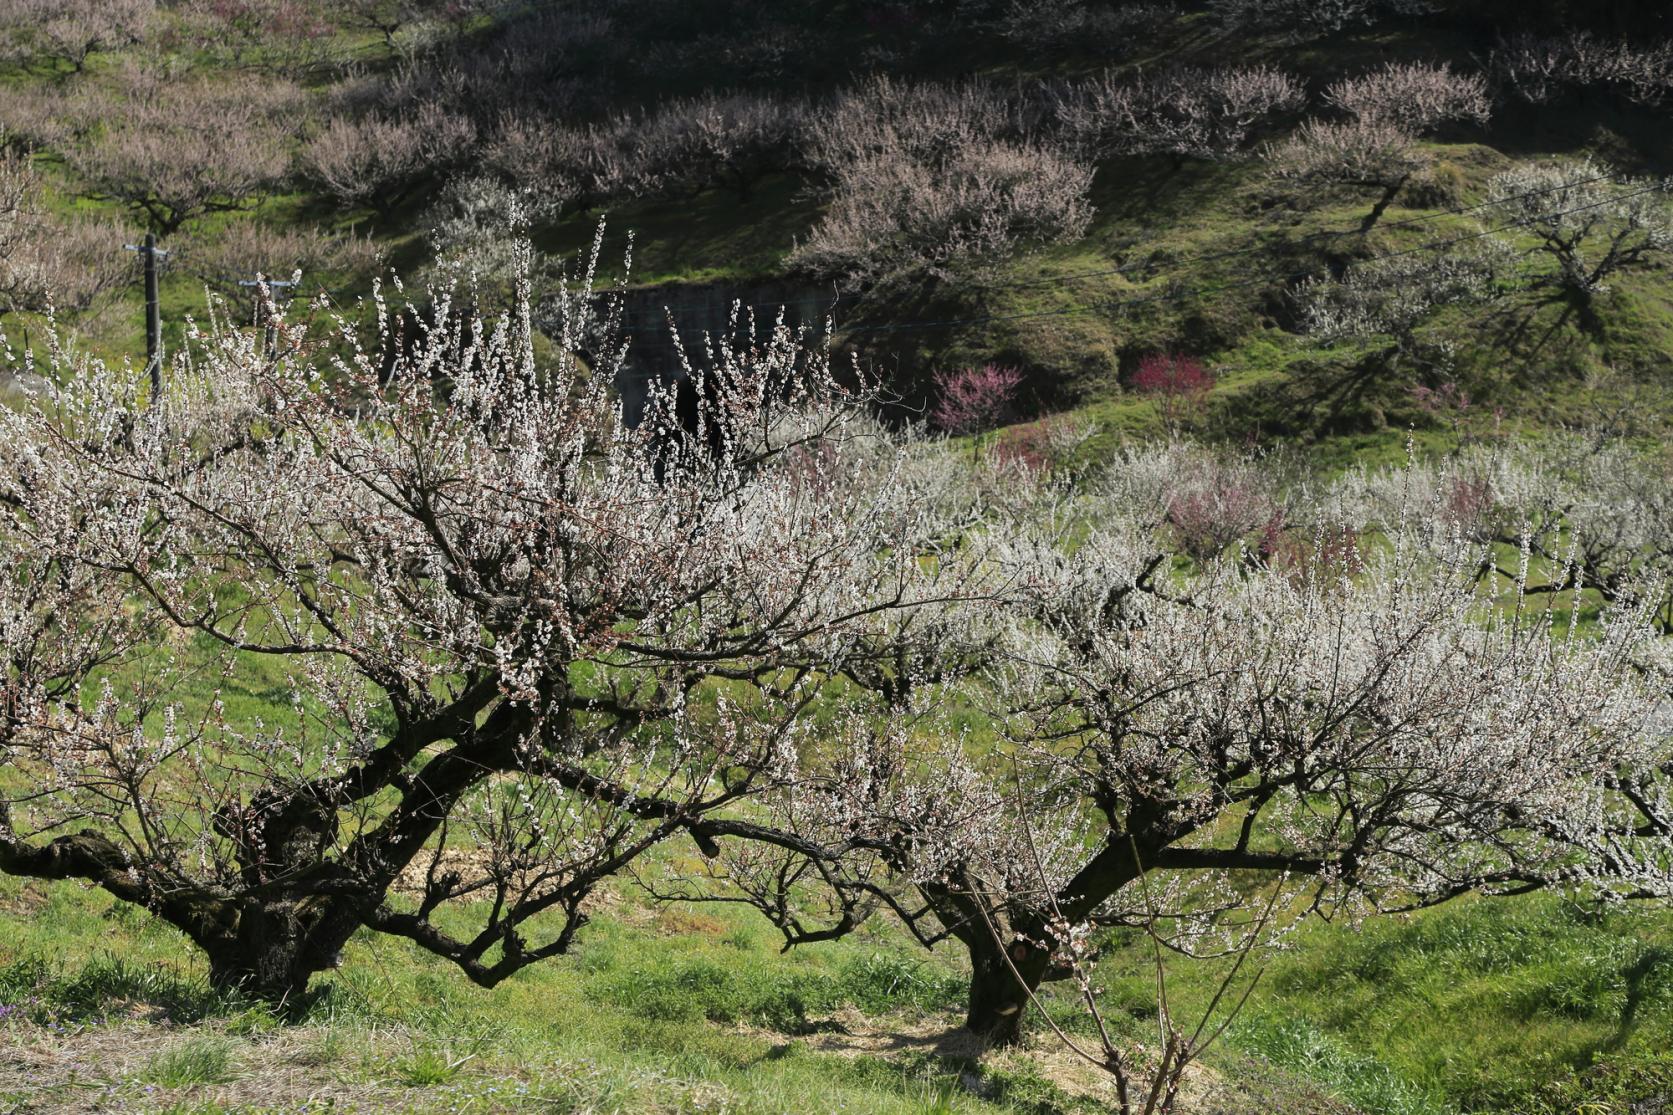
{"x":560,"y":166}
{"x":677,"y":149}
{"x":48,"y":262}
{"x":977,"y":204}
{"x":1538,"y":69}
{"x":925,"y":122}
{"x":380,"y":160}
{"x":1413,"y":96}
{"x":931,"y":176}
{"x":1371,"y":153}
{"x":1392,"y":296}
{"x":731,"y":141}
{"x":479,"y":226}
{"x":1376,"y":146}
{"x":172,"y":150}
{"x":1593,"y":513}
{"x":69,"y":33}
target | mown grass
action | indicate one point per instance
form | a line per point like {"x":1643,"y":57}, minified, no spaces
{"x":686,"y":1012}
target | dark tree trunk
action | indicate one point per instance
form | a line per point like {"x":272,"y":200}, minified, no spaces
{"x":274,"y":949}
{"x":1000,"y":989}
{"x":998,"y":999}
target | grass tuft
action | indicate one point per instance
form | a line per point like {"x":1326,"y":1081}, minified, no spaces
{"x":200,"y":1060}
{"x":1362,"y":1080}
{"x":427,"y":1066}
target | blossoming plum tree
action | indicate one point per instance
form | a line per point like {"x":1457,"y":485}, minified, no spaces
{"x":975,"y":399}
{"x":1376,"y":733}
{"x":524,"y":643}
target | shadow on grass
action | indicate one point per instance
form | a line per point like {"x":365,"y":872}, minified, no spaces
{"x":1640,"y":988}
{"x":109,"y":988}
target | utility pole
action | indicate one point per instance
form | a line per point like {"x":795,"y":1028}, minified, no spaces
{"x":149,"y":252}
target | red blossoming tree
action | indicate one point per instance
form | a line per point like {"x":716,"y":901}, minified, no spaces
{"x":1179,"y":384}
{"x":975,"y":399}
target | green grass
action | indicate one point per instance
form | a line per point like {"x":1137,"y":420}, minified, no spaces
{"x":1492,"y":1001}
{"x":1483,"y":1005}
{"x":1357,"y":1077}
{"x":781,"y":997}
{"x":1513,"y":1005}
{"x":42,"y":989}
{"x":623,"y":1025}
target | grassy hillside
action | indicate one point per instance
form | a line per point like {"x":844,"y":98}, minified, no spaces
{"x":1527,"y":1005}
{"x":1182,"y":254}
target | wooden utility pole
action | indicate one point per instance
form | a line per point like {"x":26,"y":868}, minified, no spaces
{"x":149,"y":252}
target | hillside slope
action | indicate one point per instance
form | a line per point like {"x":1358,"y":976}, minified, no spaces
{"x":1070,"y":188}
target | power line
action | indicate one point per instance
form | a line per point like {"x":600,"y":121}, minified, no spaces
{"x":1206,"y":257}
{"x":1176,"y":295}
{"x":1326,"y":234}
{"x":1434,"y":245}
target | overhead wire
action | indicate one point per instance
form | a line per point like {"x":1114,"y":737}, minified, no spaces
{"x":1175,"y":294}
{"x":1205,"y":257}
{"x":1172,"y":293}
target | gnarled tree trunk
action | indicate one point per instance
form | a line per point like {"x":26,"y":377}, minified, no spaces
{"x":270,"y":949}
{"x":1011,"y":949}
{"x":998,"y":997}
